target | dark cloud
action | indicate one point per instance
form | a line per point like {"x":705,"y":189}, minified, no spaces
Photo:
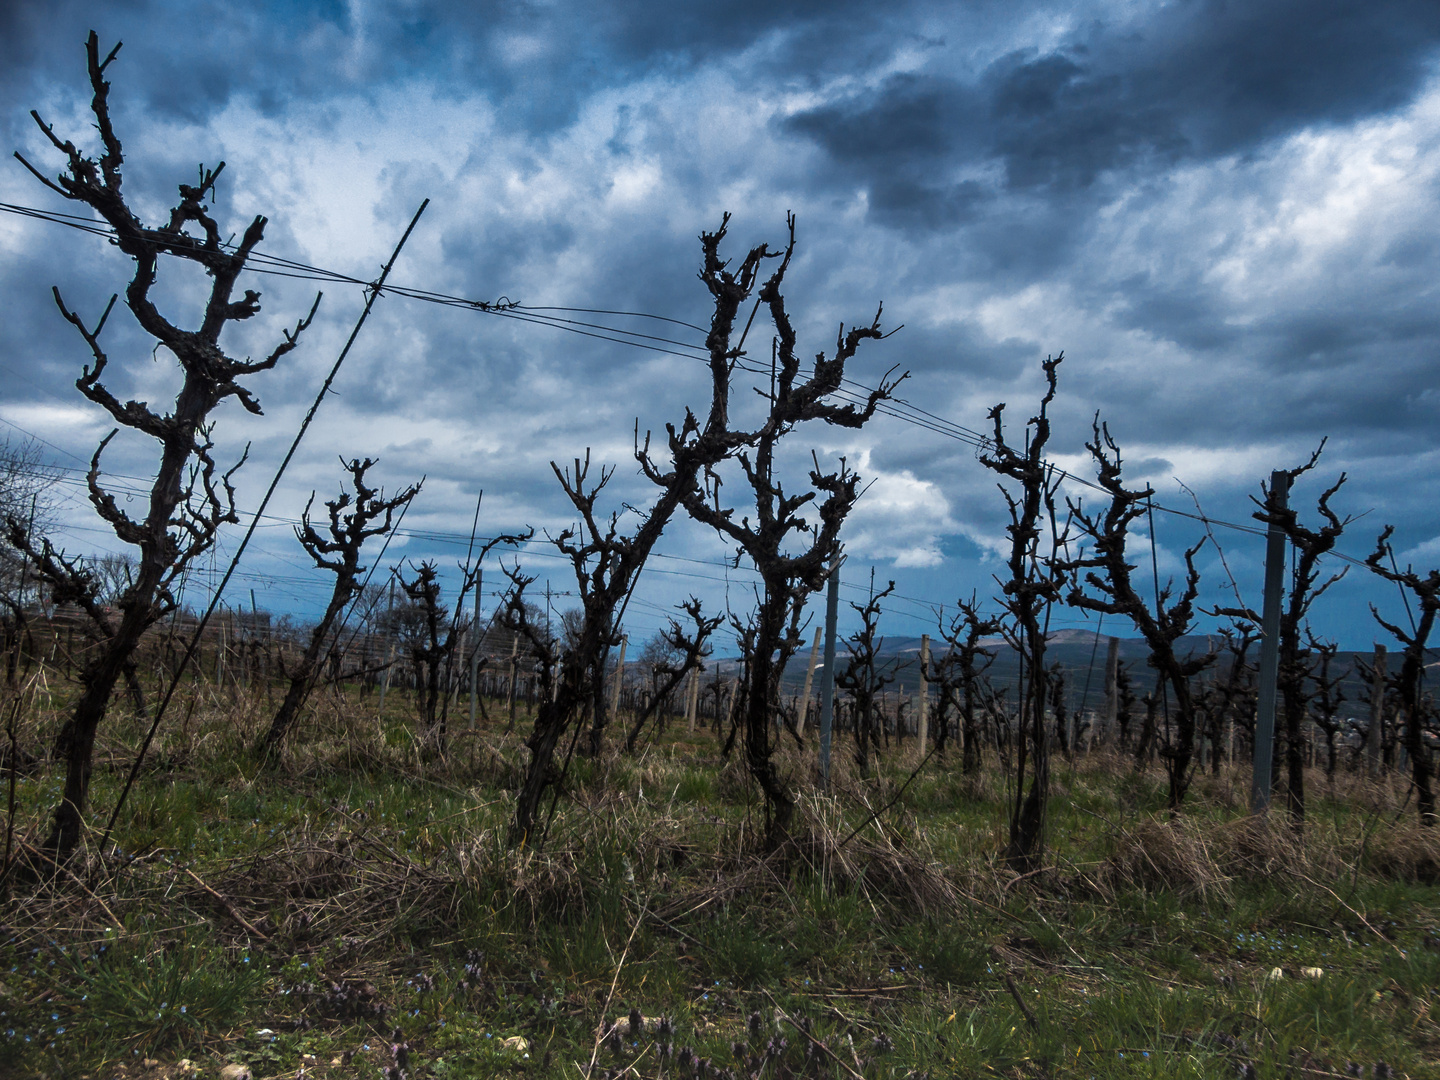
{"x":541,"y":60}
{"x":1195,"y":80}
{"x":1009,"y":193}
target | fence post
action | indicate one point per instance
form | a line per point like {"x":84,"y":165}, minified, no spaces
{"x":922,"y":706}
{"x":827,"y":677}
{"x":475,"y":652}
{"x":1275,"y":558}
{"x":1375,"y":737}
{"x":809,"y":681}
{"x":510,"y":693}
{"x":1112,"y":688}
{"x":389,"y":647}
{"x":619,"y":678}
{"x":692,"y":700}
{"x":220,"y":658}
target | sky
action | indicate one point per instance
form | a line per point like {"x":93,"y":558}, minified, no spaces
{"x":1224,"y":214}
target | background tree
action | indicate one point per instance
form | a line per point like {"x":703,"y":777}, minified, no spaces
{"x":669,"y":657}
{"x":970,"y":660}
{"x":942,"y":676}
{"x":114,"y":573}
{"x":1230,"y":697}
{"x":353,"y":520}
{"x":1426,"y":591}
{"x":790,"y":571}
{"x":26,"y":494}
{"x":863,"y":678}
{"x":1124,"y":702}
{"x":735,"y":709}
{"x":572,"y":627}
{"x":606,"y":563}
{"x":191,"y":498}
{"x":1389,"y":736}
{"x":1033,"y":584}
{"x":1149,"y":728}
{"x":606,"y":560}
{"x":1112,"y":591}
{"x":1293,"y":674}
{"x":432,"y":647}
{"x":555,"y":707}
{"x":1060,"y":707}
{"x":1326,"y":697}
{"x":657,"y":657}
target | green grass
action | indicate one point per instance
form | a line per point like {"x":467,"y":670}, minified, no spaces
{"x":134,"y":993}
{"x":387,"y":901}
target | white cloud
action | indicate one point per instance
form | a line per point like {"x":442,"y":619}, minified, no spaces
{"x":1177,"y":304}
{"x":900,"y":518}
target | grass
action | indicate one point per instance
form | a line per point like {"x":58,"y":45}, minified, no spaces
{"x":142,"y":992}
{"x":357,"y":908}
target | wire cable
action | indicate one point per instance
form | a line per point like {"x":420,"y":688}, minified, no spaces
{"x":852,"y":391}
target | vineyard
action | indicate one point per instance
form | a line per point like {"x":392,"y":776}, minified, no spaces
{"x":444,"y":832}
{"x":358,"y":908}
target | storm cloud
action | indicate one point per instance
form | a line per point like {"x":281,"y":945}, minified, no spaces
{"x":1224,"y":214}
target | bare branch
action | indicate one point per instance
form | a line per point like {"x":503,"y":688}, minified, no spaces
{"x":190,"y":499}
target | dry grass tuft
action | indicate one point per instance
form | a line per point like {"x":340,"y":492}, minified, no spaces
{"x":1260,"y":846}
{"x":875,"y":858}
{"x":1203,"y":858}
{"x":338,"y":882}
{"x":1165,"y":853}
{"x":1404,"y":850}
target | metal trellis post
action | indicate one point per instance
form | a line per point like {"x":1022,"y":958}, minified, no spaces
{"x":827,"y":677}
{"x":1275,"y":557}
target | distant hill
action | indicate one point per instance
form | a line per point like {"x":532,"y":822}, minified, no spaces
{"x":1080,"y":653}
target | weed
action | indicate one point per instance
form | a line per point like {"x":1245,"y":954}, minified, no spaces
{"x":129,"y":996}
{"x":359,"y":890}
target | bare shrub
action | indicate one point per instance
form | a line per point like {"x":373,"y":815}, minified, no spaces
{"x":192,"y":497}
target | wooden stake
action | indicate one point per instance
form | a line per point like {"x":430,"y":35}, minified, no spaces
{"x":1375,"y":737}
{"x":619,"y":677}
{"x":1275,"y":565}
{"x":452,"y":693}
{"x":809,"y":681}
{"x":692,"y":699}
{"x":730,"y":705}
{"x":827,"y":679}
{"x":922,"y":714}
{"x":475,"y":652}
{"x":389,"y":649}
{"x":385,"y":678}
{"x":510,"y":693}
{"x":1112,"y":693}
